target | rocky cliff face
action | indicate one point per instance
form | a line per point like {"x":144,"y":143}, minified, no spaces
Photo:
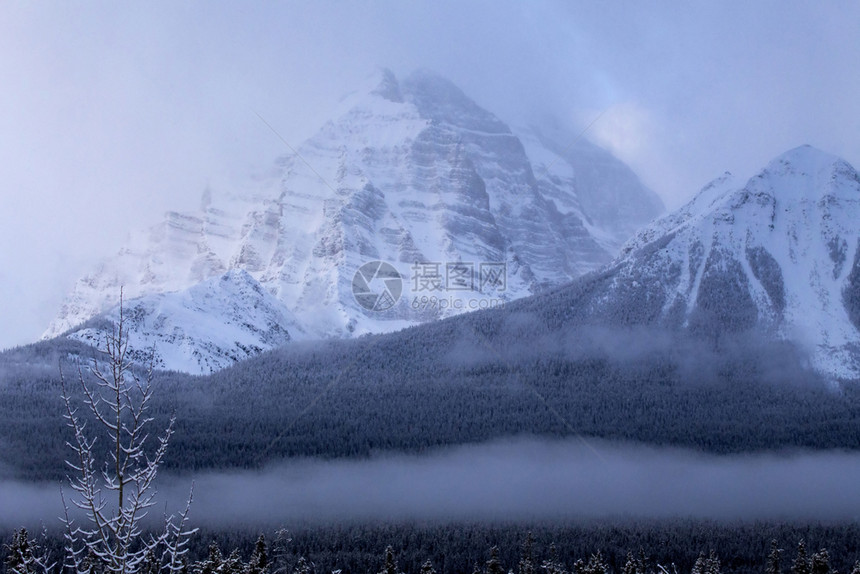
{"x":409,"y":172}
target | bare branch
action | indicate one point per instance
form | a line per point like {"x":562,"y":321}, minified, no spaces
{"x":118,"y":401}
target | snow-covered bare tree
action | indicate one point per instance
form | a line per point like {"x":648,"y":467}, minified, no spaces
{"x":117,"y":493}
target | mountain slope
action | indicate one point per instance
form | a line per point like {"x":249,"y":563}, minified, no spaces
{"x":409,"y":172}
{"x":610,"y":200}
{"x":201,"y":329}
{"x":777,"y":255}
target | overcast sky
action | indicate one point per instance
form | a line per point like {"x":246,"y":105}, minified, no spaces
{"x":111,"y":113}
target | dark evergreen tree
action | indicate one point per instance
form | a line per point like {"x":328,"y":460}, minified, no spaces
{"x":303,"y":566}
{"x":552,"y":565}
{"x":233,"y":564}
{"x":19,"y":557}
{"x":390,"y":565}
{"x":212,"y":564}
{"x":526,"y":565}
{"x":774,"y":559}
{"x":150,"y":563}
{"x":596,"y":564}
{"x":712,"y":564}
{"x":91,"y":564}
{"x":427,"y":568}
{"x":700,"y":564}
{"x":820,"y":562}
{"x":633,"y":565}
{"x":259,"y":561}
{"x":494,"y":564}
{"x":281,"y":551}
{"x":801,"y":561}
{"x":643,"y":562}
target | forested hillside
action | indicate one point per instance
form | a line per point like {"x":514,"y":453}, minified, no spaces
{"x":471,"y":379}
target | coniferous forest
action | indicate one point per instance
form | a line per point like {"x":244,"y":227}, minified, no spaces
{"x":645,"y":547}
{"x":411,"y":393}
{"x":386,"y":405}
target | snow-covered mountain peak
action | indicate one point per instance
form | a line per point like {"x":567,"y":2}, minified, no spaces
{"x":805,"y":174}
{"x":798,"y":182}
{"x":439,"y":100}
{"x":803,"y":160}
{"x":378,"y":91}
{"x":779,"y":253}
{"x":386,"y":86}
{"x":406,"y":172}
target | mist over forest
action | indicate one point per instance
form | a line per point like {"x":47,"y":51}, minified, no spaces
{"x":520,"y":480}
{"x":462,"y":381}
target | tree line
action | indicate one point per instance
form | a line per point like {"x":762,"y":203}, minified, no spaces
{"x":353,"y":399}
{"x":456,"y":549}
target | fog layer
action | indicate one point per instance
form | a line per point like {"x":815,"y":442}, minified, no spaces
{"x":523,"y":479}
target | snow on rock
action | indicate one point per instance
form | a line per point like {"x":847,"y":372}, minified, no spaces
{"x":589,"y":182}
{"x":779,"y":253}
{"x":201,"y":329}
{"x":408,"y":171}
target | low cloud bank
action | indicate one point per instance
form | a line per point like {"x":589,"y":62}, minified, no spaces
{"x":523,"y":479}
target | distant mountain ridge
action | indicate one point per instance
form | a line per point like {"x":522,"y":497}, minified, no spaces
{"x":777,"y":255}
{"x":409,"y":171}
